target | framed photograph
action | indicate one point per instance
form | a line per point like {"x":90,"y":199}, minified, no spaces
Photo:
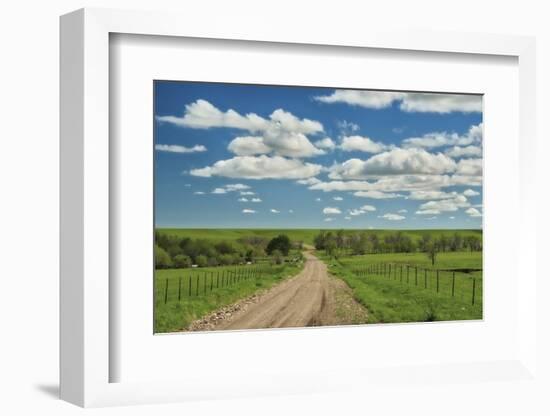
{"x":321,"y":202}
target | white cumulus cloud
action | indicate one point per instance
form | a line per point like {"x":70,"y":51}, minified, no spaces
{"x":409,"y":102}
{"x":470,"y":167}
{"x":282,"y":134}
{"x":361,"y":144}
{"x":468,"y":151}
{"x":362,"y":210}
{"x":331,"y":211}
{"x":367,"y":99}
{"x":325,"y":143}
{"x":259,"y":167}
{"x":394,"y":162}
{"x":473,"y":212}
{"x":308,"y":181}
{"x":392,"y":217}
{"x":174,"y":148}
{"x":470,"y":192}
{"x":440,"y":139}
{"x":431,"y":195}
{"x":444,"y":205}
{"x":377,"y":195}
{"x":248,"y":146}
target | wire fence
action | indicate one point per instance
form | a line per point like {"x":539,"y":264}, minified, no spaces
{"x":195,"y":283}
{"x":452,"y":283}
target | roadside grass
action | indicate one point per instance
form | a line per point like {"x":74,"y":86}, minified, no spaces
{"x":391,"y":297}
{"x":199,"y":300}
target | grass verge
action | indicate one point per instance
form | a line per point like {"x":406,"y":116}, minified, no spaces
{"x":205,"y":290}
{"x":393,"y":299}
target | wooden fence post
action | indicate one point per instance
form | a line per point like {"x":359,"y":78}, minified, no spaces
{"x":179,"y":290}
{"x":197,"y":288}
{"x":166,"y":291}
{"x":437,"y":274}
{"x":416,"y":275}
{"x":453,"y":289}
{"x":189,"y":285}
{"x":473,"y":290}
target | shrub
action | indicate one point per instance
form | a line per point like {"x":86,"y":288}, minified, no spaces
{"x":162,"y":258}
{"x":201,"y":261}
{"x":277,"y":257}
{"x":181,"y":261}
{"x":225,"y":259}
{"x":281,"y":243}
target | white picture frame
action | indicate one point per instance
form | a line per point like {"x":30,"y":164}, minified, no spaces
{"x":86,"y":356}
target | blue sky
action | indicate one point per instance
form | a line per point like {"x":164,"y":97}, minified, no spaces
{"x":252,"y":156}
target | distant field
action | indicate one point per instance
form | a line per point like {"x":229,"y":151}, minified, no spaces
{"x":444,"y":261}
{"x":305,"y":235}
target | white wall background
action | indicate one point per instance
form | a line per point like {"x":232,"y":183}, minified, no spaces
{"x":29,"y":198}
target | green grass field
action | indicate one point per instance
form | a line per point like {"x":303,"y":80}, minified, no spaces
{"x":380,"y":282}
{"x":388,"y":296}
{"x":305,"y":235}
{"x":204,"y":290}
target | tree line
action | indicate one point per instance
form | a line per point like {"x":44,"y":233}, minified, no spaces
{"x":336,"y":243}
{"x":173,"y":251}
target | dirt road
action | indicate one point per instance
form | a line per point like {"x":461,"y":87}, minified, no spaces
{"x":311,"y":298}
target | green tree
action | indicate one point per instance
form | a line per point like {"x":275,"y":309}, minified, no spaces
{"x":359,"y":243}
{"x":225,"y":259}
{"x":162,"y":258}
{"x":456,"y":242}
{"x":330,"y":247}
{"x":224,"y":247}
{"x":181,"y":261}
{"x":320,"y":240}
{"x":432,"y":248}
{"x":201,"y":260}
{"x":281,"y":243}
